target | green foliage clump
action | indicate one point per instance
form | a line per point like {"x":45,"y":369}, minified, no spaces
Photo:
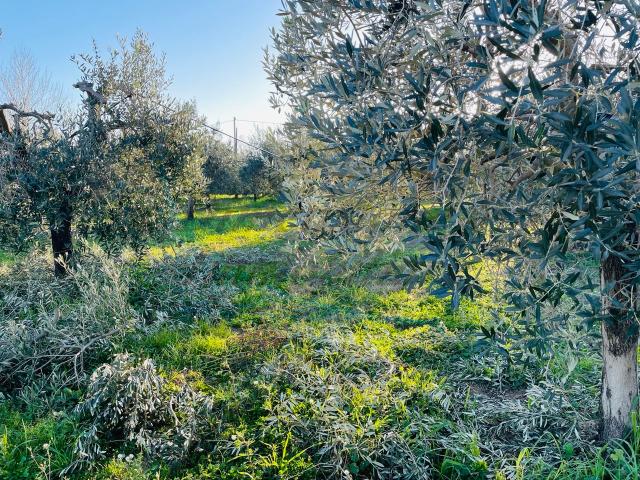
{"x":125,"y":468}
{"x":222,"y":169}
{"x":356,"y":412}
{"x":52,"y":325}
{"x":131,"y":406}
{"x":257,"y":176}
{"x":184,"y":286}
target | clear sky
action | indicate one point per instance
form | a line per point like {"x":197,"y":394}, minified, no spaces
{"x":213,"y":48}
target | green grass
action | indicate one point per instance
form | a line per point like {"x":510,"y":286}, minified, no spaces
{"x":396,"y":363}
{"x":6,"y":258}
{"x":219,"y":233}
{"x":231,"y":223}
{"x":228,"y":222}
{"x":30,"y":444}
{"x":227,"y":204}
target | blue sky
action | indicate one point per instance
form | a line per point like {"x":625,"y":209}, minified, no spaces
{"x":214,"y":48}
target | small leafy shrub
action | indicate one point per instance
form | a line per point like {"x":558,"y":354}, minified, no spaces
{"x":125,"y":467}
{"x":183,"y":287}
{"x":358,"y":413}
{"x":252,"y":345}
{"x":129,"y":405}
{"x":51,"y":325}
{"x":266,"y":462}
{"x":550,"y":420}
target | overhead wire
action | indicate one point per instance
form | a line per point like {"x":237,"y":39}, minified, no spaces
{"x":254,"y":121}
{"x":214,"y":129}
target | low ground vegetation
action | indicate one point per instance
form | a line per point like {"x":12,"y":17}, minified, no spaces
{"x":214,"y":358}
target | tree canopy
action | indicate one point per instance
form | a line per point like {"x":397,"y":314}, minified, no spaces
{"x":107,"y":173}
{"x":515,"y":122}
{"x":222,"y":168}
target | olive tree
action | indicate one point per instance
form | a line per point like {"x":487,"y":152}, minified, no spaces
{"x":254,"y":175}
{"x":107,"y":174}
{"x":191,"y":185}
{"x":518,"y":122}
{"x":260,"y":173}
{"x":257,"y":176}
{"x":221,"y":168}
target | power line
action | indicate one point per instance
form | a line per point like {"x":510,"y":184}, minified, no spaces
{"x":235,"y":138}
{"x":217,"y":130}
{"x":213,"y":129}
{"x":261,"y":121}
{"x":253,"y":121}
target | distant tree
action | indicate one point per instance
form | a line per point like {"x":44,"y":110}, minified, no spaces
{"x":221,"y":168}
{"x":107,"y":175}
{"x":261,"y":174}
{"x":254,"y":175}
{"x":27,"y":86}
{"x":192,"y":183}
{"x":517,"y":122}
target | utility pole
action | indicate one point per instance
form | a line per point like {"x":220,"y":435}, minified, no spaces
{"x":235,"y":138}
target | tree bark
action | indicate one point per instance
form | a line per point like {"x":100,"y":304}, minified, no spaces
{"x":62,"y":241}
{"x":619,"y":352}
{"x":191,"y":208}
{"x":255,"y":197}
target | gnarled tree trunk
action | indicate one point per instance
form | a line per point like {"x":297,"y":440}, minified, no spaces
{"x":62,"y":241}
{"x":619,"y":351}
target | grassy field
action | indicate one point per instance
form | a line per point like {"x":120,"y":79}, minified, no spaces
{"x":229,"y":223}
{"x":309,"y":377}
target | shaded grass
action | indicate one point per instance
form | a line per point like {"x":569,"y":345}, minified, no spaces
{"x":227,"y":204}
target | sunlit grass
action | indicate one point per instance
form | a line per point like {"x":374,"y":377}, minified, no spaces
{"x":225,"y":234}
{"x":229,"y":206}
{"x":231,"y":223}
{"x":207,"y":214}
{"x":228,"y":222}
{"x":5,"y":257}
{"x":209,"y":340}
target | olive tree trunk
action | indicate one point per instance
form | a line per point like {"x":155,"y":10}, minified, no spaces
{"x":191,"y":208}
{"x":619,"y":352}
{"x":62,"y":241}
